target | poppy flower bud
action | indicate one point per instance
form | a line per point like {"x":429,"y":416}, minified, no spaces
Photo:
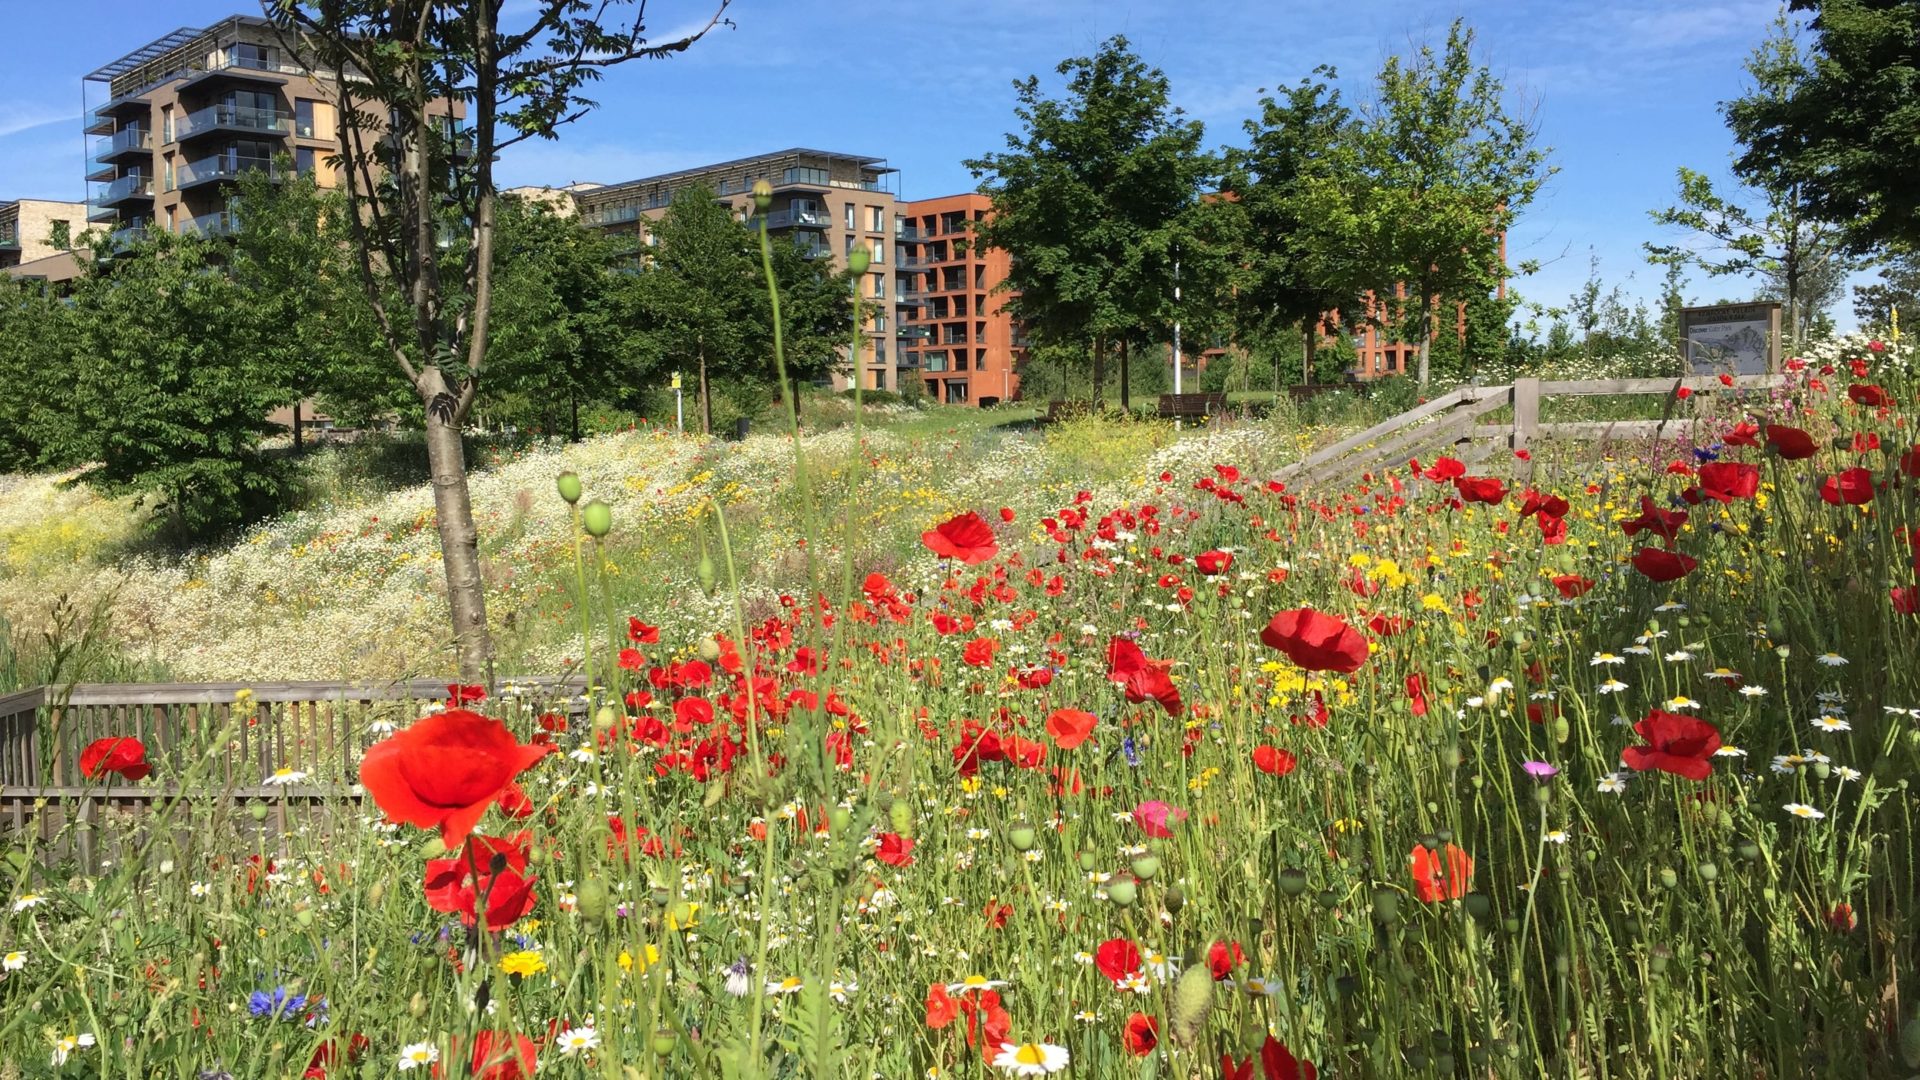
{"x":1708,"y":871}
{"x":1292,"y":881}
{"x":376,"y":892}
{"x":590,"y":900}
{"x":1668,"y":879}
{"x":707,"y":573}
{"x":1146,"y":867}
{"x":839,"y":820}
{"x":1479,"y":905}
{"x":1443,"y":1064}
{"x":1192,"y":1001}
{"x":569,"y":486}
{"x":417,"y":1005}
{"x":708,"y":649}
{"x":1510,"y":924}
{"x":1022,"y":837}
{"x":762,"y":196}
{"x":434,"y":847}
{"x":1386,"y":906}
{"x":597,"y":518}
{"x":858,"y":260}
{"x":1123,"y":892}
{"x":1561,"y":730}
{"x":604,"y":717}
{"x":1174,"y":899}
{"x":1822,"y":769}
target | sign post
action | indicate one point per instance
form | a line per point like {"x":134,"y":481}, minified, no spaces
{"x":679,"y":406}
{"x":1735,"y":339}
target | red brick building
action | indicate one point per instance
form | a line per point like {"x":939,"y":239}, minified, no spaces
{"x":956,"y":333}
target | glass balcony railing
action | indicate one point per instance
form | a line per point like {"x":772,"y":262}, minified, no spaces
{"x":793,"y":216}
{"x":223,"y":167}
{"x":124,"y":141}
{"x":220,"y":223}
{"x":908,"y":232}
{"x":9,"y":241}
{"x":232,"y":118}
{"x":612,"y":215}
{"x":127,"y":236}
{"x":130,"y":186}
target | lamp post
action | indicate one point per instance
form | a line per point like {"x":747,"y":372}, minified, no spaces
{"x":1176,"y":325}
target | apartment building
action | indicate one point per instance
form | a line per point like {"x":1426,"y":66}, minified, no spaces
{"x":35,"y":229}
{"x":959,"y":338}
{"x":1381,"y":353}
{"x":187,"y":113}
{"x":824,"y":203}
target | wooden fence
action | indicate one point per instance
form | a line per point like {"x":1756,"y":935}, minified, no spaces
{"x":1452,"y":423}
{"x":232,"y":739}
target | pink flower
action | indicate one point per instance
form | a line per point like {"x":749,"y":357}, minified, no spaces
{"x":1155,"y":818}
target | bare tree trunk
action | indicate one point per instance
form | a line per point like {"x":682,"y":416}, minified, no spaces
{"x":296,"y":426}
{"x":1099,"y":368}
{"x":1126,"y":353}
{"x":1309,"y":351}
{"x":459,"y":545}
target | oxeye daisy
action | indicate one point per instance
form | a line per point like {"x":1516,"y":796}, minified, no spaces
{"x":285,"y":777}
{"x":1830,"y":660}
{"x":975,"y":982}
{"x":1612,"y":783}
{"x":1612,"y":686}
{"x":415,"y":1055}
{"x":1802,"y":810}
{"x":1831,"y":723}
{"x":14,"y":960}
{"x":1753,"y":691}
{"x":28,"y":900}
{"x":1605,"y":658}
{"x":577,"y":1041}
{"x":1556,"y":836}
{"x":789,"y":985}
{"x":1030,"y":1059}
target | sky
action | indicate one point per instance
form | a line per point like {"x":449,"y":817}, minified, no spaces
{"x":1623,"y":93}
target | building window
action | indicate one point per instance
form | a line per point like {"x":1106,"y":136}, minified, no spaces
{"x":879,"y":281}
{"x":876,"y":219}
{"x":847,"y":216}
{"x":303,"y":118}
{"x":303,"y":161}
{"x":166,"y":124}
{"x":960,"y":360}
{"x":879,"y":248}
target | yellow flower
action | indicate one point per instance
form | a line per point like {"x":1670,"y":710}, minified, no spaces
{"x":626,"y":959}
{"x":524,"y":963}
{"x":1434,"y":602}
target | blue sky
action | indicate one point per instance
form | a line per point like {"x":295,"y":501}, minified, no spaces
{"x":1624,"y":92}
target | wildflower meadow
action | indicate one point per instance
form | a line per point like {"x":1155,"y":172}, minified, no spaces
{"x":1591,"y":766}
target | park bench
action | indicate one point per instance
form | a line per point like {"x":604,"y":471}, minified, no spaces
{"x":1185,"y":406}
{"x":1304,"y":393}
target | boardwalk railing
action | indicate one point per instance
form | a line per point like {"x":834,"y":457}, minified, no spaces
{"x":277,"y":745}
{"x":1451,"y":423}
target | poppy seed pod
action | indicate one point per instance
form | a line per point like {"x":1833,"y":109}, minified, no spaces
{"x":1146,"y":867}
{"x":597,"y":518}
{"x":663,"y":1041}
{"x":1708,"y":871}
{"x":1123,"y":892}
{"x":858,"y":260}
{"x":1192,"y":1001}
{"x":1174,"y":899}
{"x":708,"y":649}
{"x":1293,"y":881}
{"x":762,"y":196}
{"x":569,"y":486}
{"x":1022,"y":836}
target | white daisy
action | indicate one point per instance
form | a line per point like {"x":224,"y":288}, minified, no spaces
{"x":577,"y":1041}
{"x":1612,"y":686}
{"x":1721,"y":674}
{"x":975,"y":982}
{"x":414,"y":1055}
{"x":1613,"y":783}
{"x":1830,"y":660}
{"x":28,"y":900}
{"x":1030,"y":1059}
{"x":1679,"y":703}
{"x":1680,"y":656}
{"x":285,"y":776}
{"x":789,"y":985}
{"x":841,"y":989}
{"x":1802,"y":810}
{"x":1831,"y":723}
{"x":1729,"y":751}
{"x":1845,"y":774}
{"x":67,"y":1044}
{"x":14,"y":960}
{"x":1753,"y":691}
{"x":1556,"y":836}
{"x":1605,"y":658}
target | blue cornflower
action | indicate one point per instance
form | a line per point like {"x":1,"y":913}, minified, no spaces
{"x":279,"y":1004}
{"x":1132,"y":751}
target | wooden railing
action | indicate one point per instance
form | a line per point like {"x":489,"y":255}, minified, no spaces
{"x":1450,"y":424}
{"x":215,"y":748}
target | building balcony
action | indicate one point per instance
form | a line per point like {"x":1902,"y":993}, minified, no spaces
{"x":129,"y":188}
{"x":814,"y":251}
{"x":106,"y":117}
{"x":127,"y":236}
{"x":232,"y":118}
{"x":10,"y":240}
{"x":221,"y":167}
{"x":126,"y":143}
{"x":915,"y":297}
{"x":241,"y":69}
{"x":915,"y":333}
{"x":219,"y":223}
{"x":909,"y":233}
{"x":611,"y":215}
{"x":792,"y":218}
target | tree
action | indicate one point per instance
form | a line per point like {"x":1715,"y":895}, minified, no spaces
{"x":37,"y":431}
{"x":1096,"y":200}
{"x":172,"y":384}
{"x":1898,"y":290}
{"x":1303,"y":255}
{"x":568,"y":331}
{"x":1841,"y":131}
{"x":1444,"y":169}
{"x":400,"y":65}
{"x":1772,"y":228}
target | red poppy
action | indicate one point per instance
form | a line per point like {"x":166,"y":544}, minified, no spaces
{"x":1572,"y":586}
{"x":1141,"y":1035}
{"x":1664,"y":523}
{"x":1661,"y":565}
{"x":1871,"y":396}
{"x":1223,"y":957}
{"x":1852,"y":487}
{"x":1906,"y":599}
{"x":1213,"y":562}
{"x":1070,"y":727}
{"x":499,"y":1055}
{"x":1143,"y":679}
{"x":1278,"y":1063}
{"x":894,"y":850}
{"x":1729,"y":480}
{"x":1480,"y":489}
{"x":1274,"y":761}
{"x":1435,"y":878}
{"x":1117,"y":958}
{"x":444,"y":771}
{"x":1681,"y":745}
{"x":1790,"y":442}
{"x":1743,"y":434}
{"x":1553,"y":530}
{"x":967,"y":538}
{"x":941,"y":1008}
{"x":1842,"y":919}
{"x":1446,"y":469}
{"x":489,"y":866}
{"x":1540,"y":503}
{"x":123,"y":755}
{"x":1910,"y":462}
{"x":1417,"y":694}
{"x":1316,"y":641}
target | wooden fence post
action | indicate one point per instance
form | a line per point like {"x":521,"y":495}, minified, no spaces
{"x":1526,"y":420}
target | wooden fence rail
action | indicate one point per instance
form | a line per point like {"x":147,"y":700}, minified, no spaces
{"x":228,"y":739}
{"x":1448,"y":423}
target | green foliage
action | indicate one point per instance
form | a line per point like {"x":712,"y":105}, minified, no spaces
{"x":36,"y":429}
{"x":1773,"y":227}
{"x":1898,"y":290}
{"x":1097,"y":200}
{"x":1840,"y":131}
{"x":172,"y":382}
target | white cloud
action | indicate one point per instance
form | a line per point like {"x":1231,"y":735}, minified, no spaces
{"x":16,"y":117}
